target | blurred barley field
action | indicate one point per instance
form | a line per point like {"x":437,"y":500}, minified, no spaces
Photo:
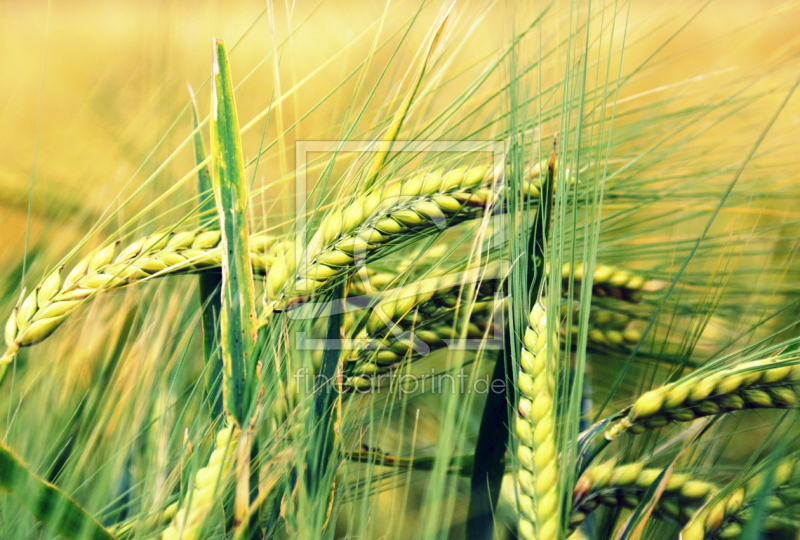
{"x":93,"y":86}
{"x":95,"y":144}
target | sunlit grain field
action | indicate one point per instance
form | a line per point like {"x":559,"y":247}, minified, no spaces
{"x":505,"y":270}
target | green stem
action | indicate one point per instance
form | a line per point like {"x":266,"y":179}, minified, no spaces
{"x":210,"y":283}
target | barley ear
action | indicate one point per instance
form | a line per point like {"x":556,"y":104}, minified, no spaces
{"x":761,"y":384}
{"x":623,"y":486}
{"x":538,"y":477}
{"x":188,"y":521}
{"x":420,"y":316}
{"x":724,"y":517}
{"x":420,"y":205}
{"x":11,"y":352}
{"x":612,"y":281}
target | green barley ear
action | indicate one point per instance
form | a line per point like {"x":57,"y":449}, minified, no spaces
{"x":724,"y":516}
{"x":209,"y":481}
{"x":611,"y":281}
{"x":420,"y":316}
{"x":623,"y":486}
{"x":769,"y":383}
{"x":171,"y":252}
{"x":537,"y":452}
{"x":390,"y":214}
{"x":40,"y":313}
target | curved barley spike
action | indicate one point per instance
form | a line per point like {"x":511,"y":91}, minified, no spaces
{"x":376,"y":357}
{"x":50,"y":304}
{"x":761,"y":384}
{"x":613,"y":485}
{"x":400,"y":208}
{"x":187,"y":522}
{"x":538,"y":476}
{"x":612,"y":281}
{"x":724,"y":517}
{"x":609,"y":281}
{"x":607,"y":328}
{"x":420,"y":317}
{"x":425,"y":321}
{"x":390,"y":214}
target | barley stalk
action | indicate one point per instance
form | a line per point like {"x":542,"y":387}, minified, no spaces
{"x":188,"y":521}
{"x":41,"y":312}
{"x":538,"y":476}
{"x":723,"y":517}
{"x":613,"y":485}
{"x":760,"y":384}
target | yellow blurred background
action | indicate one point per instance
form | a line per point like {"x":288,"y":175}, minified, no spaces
{"x":89,"y":87}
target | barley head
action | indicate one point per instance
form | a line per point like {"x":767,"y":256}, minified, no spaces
{"x":761,"y":384}
{"x":42,"y":311}
{"x":188,"y":520}
{"x":537,"y":451}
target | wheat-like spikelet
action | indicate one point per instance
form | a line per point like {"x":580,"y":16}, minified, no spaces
{"x":415,"y":265}
{"x":537,"y":451}
{"x":392,"y":213}
{"x":188,"y":521}
{"x":608,"y":282}
{"x":607,"y":328}
{"x":611,"y":281}
{"x":614,"y":485}
{"x":422,"y":316}
{"x":404,"y":307}
{"x":374,"y":358}
{"x":40,"y":313}
{"x":368,"y":282}
{"x":723,"y":517}
{"x":760,"y":384}
{"x":424,"y":201}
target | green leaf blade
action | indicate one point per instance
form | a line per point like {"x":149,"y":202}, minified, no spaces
{"x":237,"y":318}
{"x":47,"y":502}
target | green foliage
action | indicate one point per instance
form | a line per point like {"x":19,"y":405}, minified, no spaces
{"x":359,"y":334}
{"x":238,"y":314}
{"x":46,"y":502}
